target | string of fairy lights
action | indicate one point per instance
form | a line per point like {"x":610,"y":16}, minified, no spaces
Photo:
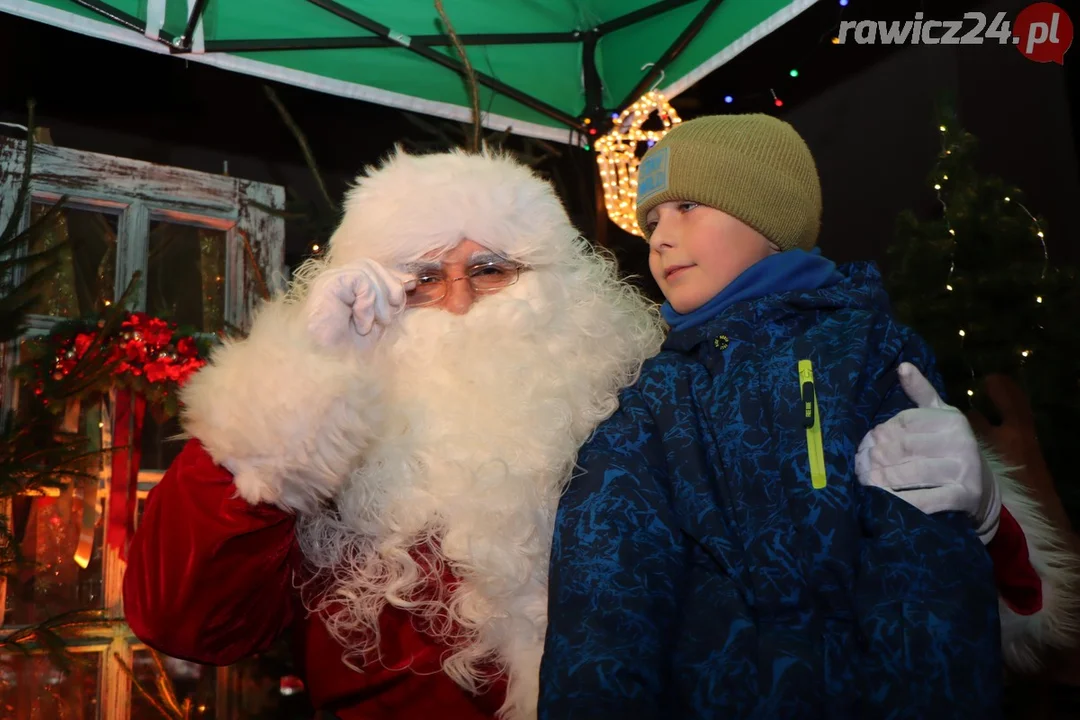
{"x":1037,"y":232}
{"x":616,"y":155}
{"x":617,"y":151}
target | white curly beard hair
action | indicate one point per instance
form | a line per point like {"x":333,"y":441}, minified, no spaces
{"x":484,"y":415}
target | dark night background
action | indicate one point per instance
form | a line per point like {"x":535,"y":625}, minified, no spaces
{"x":866,"y":111}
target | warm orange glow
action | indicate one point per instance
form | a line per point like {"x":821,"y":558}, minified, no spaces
{"x":616,"y":155}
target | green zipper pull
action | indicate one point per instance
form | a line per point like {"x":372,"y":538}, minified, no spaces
{"x":812,"y":423}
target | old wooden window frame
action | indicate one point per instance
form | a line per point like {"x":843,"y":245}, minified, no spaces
{"x":141,"y":192}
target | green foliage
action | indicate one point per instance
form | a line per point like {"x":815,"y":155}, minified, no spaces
{"x":35,"y":453}
{"x":979,"y":266}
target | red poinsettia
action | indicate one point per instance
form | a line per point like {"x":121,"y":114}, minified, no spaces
{"x":144,"y":347}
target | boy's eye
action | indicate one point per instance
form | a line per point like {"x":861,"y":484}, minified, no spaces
{"x":687,"y":206}
{"x":650,"y":226}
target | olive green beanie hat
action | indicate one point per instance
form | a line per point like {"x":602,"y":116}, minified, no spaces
{"x":756,"y":168}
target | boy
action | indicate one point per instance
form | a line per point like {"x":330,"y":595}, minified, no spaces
{"x":717,"y":557}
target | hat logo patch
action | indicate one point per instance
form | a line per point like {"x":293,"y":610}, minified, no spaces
{"x":653,"y":174}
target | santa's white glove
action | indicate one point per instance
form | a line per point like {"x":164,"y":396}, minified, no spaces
{"x":929,"y":456}
{"x":354,"y":304}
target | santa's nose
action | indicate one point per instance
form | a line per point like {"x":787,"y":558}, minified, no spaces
{"x":459,"y":297}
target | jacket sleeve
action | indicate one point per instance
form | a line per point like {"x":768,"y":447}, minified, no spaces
{"x":893,"y":398}
{"x":209,"y":576}
{"x":616,"y":564}
{"x":1035,"y":570}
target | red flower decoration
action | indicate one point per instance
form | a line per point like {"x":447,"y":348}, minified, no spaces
{"x":145,"y":354}
{"x":186,"y":346}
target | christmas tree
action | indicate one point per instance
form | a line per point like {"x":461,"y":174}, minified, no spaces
{"x":37,"y":451}
{"x":978,"y":282}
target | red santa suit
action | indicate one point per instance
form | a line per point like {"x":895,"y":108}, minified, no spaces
{"x":211,"y":579}
{"x":391,"y":502}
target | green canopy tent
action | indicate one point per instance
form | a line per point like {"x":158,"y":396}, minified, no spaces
{"x":543,"y":66}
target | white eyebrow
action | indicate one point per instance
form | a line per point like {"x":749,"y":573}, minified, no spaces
{"x":420,"y":267}
{"x":480,"y":257}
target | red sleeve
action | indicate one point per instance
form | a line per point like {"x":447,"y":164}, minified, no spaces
{"x":209,"y":576}
{"x":1017,"y":582}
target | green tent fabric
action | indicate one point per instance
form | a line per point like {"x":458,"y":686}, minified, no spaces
{"x":544,"y":65}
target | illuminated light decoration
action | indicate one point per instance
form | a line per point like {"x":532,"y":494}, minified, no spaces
{"x":843,"y":3}
{"x":971,"y":393}
{"x":616,"y":156}
{"x":962,"y":333}
{"x":836,"y":41}
{"x":315,"y":248}
{"x":794,"y":73}
{"x":776,"y":101}
{"x":728,"y":99}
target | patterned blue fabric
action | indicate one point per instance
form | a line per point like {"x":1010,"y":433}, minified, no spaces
{"x":695,"y":573}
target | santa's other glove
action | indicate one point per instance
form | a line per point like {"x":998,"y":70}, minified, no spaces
{"x":355,"y":303}
{"x":929,"y":457}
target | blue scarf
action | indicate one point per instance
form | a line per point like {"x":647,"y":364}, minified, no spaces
{"x":782,"y":272}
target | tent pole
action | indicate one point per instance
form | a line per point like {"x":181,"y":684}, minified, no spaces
{"x":672,"y":52}
{"x":450,"y":63}
{"x":594,"y":88}
{"x":122,"y":18}
{"x":184,"y":41}
{"x":649,"y":11}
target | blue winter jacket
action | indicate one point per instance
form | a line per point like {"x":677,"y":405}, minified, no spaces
{"x":697,"y":572}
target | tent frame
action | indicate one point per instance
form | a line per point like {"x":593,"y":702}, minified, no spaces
{"x":595,"y":119}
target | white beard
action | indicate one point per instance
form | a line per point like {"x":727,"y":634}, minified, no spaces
{"x":485,"y":414}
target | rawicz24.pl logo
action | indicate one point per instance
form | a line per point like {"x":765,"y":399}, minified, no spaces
{"x":1042,"y":32}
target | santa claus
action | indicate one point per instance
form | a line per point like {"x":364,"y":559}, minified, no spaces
{"x":377,"y":466}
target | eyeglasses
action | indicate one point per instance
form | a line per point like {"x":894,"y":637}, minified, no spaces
{"x":486,"y":278}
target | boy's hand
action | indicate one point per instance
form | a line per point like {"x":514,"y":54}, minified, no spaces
{"x":929,"y":457}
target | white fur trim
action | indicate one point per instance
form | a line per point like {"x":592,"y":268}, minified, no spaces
{"x":286,"y":418}
{"x":1025,"y":638}
{"x":415,"y":204}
